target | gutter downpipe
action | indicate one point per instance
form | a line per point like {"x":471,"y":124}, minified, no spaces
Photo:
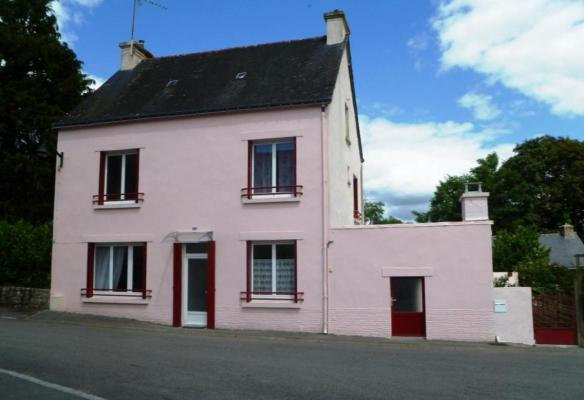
{"x":325,"y":244}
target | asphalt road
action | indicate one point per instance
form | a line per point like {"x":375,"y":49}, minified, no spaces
{"x":120,"y":360}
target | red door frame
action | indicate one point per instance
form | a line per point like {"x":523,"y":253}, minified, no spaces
{"x":177,"y":285}
{"x":411,"y":318}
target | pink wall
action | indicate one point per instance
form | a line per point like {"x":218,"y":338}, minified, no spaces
{"x":191,"y":171}
{"x":454,"y":258}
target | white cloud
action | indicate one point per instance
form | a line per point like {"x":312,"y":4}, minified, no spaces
{"x":409,"y":159}
{"x":533,"y":46}
{"x":418,"y":42}
{"x":481,"y":106}
{"x":70,"y":14}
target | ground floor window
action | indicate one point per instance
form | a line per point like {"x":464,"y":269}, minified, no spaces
{"x":272,"y":269}
{"x":119,"y":267}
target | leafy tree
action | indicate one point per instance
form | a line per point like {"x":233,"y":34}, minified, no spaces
{"x":519,"y":250}
{"x":26,"y":254}
{"x":486,"y":170}
{"x":515,"y":247}
{"x":40,"y":80}
{"x":375,"y":214}
{"x":444,"y":205}
{"x":542,"y":185}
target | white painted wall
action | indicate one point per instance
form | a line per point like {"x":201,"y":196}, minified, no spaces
{"x":515,"y":325}
{"x":344,"y":159}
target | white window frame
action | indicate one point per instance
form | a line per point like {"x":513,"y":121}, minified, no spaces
{"x":274,"y":144}
{"x":129,"y":269}
{"x":274,"y":259}
{"x":122,"y":199}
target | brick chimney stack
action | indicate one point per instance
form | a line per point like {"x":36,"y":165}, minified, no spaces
{"x":475,"y":204}
{"x":132,"y":53}
{"x":337,"y":28}
{"x":567,"y":231}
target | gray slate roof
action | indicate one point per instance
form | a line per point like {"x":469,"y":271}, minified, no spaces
{"x":277,"y":74}
{"x":563,"y":249}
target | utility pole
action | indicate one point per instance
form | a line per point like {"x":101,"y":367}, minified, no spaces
{"x":579,"y":299}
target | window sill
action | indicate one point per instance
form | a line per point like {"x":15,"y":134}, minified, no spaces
{"x":115,"y":205}
{"x":271,"y":304}
{"x":266,"y":199}
{"x":115,"y":300}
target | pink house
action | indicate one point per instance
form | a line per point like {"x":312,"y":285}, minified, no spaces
{"x":223,"y":189}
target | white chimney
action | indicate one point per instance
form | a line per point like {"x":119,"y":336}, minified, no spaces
{"x":337,"y":28}
{"x":475,"y":205}
{"x":567,"y":231}
{"x":132,"y":53}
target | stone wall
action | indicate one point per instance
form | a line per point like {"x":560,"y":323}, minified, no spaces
{"x":24,"y":298}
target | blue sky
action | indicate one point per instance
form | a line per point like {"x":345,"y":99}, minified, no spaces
{"x":439,"y":83}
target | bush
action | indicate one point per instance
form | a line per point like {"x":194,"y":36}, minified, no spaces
{"x":25,"y":254}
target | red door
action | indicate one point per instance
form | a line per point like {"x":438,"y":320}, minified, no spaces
{"x":554,"y":319}
{"x":408,"y":316}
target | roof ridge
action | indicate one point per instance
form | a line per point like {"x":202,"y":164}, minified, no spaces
{"x":236,"y":48}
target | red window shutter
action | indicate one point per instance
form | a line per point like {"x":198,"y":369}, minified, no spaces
{"x":144,"y":270}
{"x":90,"y":258}
{"x":294,"y":179}
{"x":101,"y":186}
{"x":248,"y":272}
{"x":211,"y":285}
{"x":177,"y":284}
{"x":249,"y":171}
{"x":295,"y":271}
{"x":138,"y":186}
{"x":355,"y":195}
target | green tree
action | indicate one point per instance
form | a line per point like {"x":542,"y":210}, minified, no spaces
{"x":519,"y":250}
{"x":512,"y":248}
{"x":445,"y":205}
{"x":375,"y":214}
{"x":541,"y":185}
{"x":40,"y":80}
{"x":26,"y":254}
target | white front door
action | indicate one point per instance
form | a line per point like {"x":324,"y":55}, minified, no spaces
{"x":195,"y":290}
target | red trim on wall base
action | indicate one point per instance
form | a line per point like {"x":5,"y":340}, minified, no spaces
{"x":90,"y":258}
{"x":211,"y":285}
{"x":177,"y":284}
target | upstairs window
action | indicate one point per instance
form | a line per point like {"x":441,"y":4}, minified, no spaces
{"x":118,"y":181}
{"x":272,"y":169}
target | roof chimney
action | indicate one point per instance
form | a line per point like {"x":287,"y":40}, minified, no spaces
{"x":475,"y":205}
{"x":132,"y":53}
{"x":567,"y":231}
{"x":337,"y":29}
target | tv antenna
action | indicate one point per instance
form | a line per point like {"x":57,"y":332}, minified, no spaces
{"x":138,"y":3}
